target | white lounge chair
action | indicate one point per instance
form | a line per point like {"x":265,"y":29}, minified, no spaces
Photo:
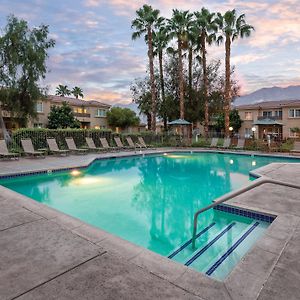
{"x":73,"y":148}
{"x":131,"y":143}
{"x":53,"y":147}
{"x":143,"y":144}
{"x":4,"y":153}
{"x":226,"y":143}
{"x":29,"y":149}
{"x":241,"y":144}
{"x":106,"y":145}
{"x":120,"y":144}
{"x":296,"y":148}
{"x":91,"y":144}
{"x":214,"y":142}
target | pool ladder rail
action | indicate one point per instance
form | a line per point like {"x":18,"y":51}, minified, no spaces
{"x":256,"y":183}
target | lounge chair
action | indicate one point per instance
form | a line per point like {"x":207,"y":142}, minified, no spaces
{"x":105,"y":144}
{"x":241,"y":144}
{"x":131,"y":143}
{"x":120,"y":144}
{"x":72,"y":147}
{"x":226,"y":144}
{"x":54,"y":147}
{"x":296,"y":148}
{"x":143,"y":144}
{"x":91,"y":145}
{"x":214,"y":142}
{"x":4,"y":153}
{"x":29,"y":149}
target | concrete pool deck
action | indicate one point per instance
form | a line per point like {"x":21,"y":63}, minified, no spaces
{"x":45,"y":254}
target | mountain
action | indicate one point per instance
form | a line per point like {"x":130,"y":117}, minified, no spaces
{"x":270,"y":94}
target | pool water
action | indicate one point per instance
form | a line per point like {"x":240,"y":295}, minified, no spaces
{"x":151,"y":200}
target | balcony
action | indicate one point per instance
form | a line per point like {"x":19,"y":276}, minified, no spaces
{"x":81,"y":115}
{"x":271,"y":118}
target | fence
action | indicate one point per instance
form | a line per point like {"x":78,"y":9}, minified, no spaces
{"x":39,"y":136}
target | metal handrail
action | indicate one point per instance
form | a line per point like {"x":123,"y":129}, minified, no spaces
{"x":256,"y":183}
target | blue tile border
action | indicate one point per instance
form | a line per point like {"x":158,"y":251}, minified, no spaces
{"x":202,"y":250}
{"x":190,"y":241}
{"x":245,"y":213}
{"x":231,"y":249}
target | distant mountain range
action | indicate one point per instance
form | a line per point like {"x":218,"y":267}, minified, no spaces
{"x":270,"y":94}
{"x":261,"y":95}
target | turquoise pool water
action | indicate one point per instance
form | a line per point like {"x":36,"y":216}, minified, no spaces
{"x":151,"y":200}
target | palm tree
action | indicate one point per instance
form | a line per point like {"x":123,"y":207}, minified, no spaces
{"x":77,"y":92}
{"x":145,"y":23}
{"x":232,"y":27}
{"x":178,"y":27}
{"x":206,"y":29}
{"x":160,"y":43}
{"x":62,"y":91}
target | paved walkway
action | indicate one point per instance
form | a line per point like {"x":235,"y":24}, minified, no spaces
{"x":45,"y":254}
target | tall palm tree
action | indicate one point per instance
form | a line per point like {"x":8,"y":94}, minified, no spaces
{"x":77,"y":92}
{"x":232,"y":27}
{"x":62,"y":91}
{"x":145,"y":23}
{"x":160,"y":43}
{"x":206,"y":28}
{"x":178,"y":27}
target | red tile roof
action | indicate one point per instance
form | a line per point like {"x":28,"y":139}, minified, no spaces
{"x":270,"y":104}
{"x":77,"y":102}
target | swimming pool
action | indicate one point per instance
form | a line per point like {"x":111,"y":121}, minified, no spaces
{"x":151,"y":201}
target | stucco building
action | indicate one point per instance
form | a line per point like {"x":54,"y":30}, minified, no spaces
{"x":278,"y":118}
{"x":90,"y":113}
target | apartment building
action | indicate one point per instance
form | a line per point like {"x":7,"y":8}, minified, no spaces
{"x":90,"y":113}
{"x":277,"y":118}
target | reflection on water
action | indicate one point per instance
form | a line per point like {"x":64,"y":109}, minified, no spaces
{"x":149,"y":201}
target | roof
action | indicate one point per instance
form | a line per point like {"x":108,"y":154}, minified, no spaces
{"x":267,"y":121}
{"x":77,"y":102}
{"x":270,"y":104}
{"x":179,"y":122}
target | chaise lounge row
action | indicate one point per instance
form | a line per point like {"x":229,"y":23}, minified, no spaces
{"x":227,"y":143}
{"x":53,"y":147}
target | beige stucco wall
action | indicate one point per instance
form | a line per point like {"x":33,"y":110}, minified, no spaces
{"x":286,"y":120}
{"x":92,"y":120}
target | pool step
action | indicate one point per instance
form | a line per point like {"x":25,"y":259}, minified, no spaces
{"x":217,"y":248}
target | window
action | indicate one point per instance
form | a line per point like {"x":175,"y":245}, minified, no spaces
{"x":101,"y":112}
{"x":294,"y":133}
{"x":278,"y":113}
{"x":80,"y":110}
{"x":248,"y":133}
{"x":38,"y":125}
{"x":267,"y":113}
{"x":39,"y":107}
{"x":294,"y":113}
{"x":248,"y":115}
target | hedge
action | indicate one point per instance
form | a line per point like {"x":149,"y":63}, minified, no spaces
{"x":39,"y":136}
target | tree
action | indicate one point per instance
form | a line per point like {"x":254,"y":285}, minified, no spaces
{"x":206,"y":28}
{"x":178,"y":27}
{"x":232,"y":27}
{"x":160,"y":42}
{"x":122,"y":117}
{"x":145,"y":23}
{"x":62,"y":91}
{"x":23,"y":55}
{"x":62,"y":117}
{"x":77,"y":92}
{"x":235,"y":121}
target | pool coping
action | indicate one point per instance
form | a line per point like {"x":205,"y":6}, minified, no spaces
{"x":178,"y":274}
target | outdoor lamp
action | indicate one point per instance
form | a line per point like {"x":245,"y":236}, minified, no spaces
{"x":230,"y":128}
{"x":253,"y":129}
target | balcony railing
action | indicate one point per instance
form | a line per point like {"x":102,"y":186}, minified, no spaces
{"x":82,"y":115}
{"x":272,"y":118}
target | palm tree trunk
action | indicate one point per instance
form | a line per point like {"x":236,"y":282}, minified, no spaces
{"x":152,"y":80}
{"x":205,"y":84}
{"x":5,"y":133}
{"x":190,"y":58}
{"x":162,"y":87}
{"x":180,"y":75}
{"x":227,"y":84}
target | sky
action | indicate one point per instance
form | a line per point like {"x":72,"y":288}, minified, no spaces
{"x":94,"y":49}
